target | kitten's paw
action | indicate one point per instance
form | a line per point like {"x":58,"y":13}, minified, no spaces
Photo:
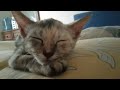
{"x":54,"y":68}
{"x":58,"y":67}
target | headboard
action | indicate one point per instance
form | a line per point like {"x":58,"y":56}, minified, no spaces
{"x":101,"y":18}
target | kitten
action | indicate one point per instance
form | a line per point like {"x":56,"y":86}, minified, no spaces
{"x":44,"y":44}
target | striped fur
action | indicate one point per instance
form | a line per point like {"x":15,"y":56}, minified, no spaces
{"x":44,"y":47}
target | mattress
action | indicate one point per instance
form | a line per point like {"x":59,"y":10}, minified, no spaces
{"x":97,"y":58}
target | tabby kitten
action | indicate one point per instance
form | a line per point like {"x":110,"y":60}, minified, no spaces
{"x":42,"y":46}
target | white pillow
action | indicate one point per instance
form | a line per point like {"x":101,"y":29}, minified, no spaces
{"x":98,"y":32}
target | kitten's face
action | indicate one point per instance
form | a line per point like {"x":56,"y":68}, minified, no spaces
{"x":49,"y":40}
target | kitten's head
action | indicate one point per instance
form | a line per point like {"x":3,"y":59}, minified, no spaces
{"x":49,"y":39}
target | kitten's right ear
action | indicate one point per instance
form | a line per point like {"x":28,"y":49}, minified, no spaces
{"x":76,"y":27}
{"x":22,"y":21}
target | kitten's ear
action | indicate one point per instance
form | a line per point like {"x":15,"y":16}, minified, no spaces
{"x":76,"y":27}
{"x":22,"y":21}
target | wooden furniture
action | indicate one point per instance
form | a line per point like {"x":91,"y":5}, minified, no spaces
{"x":11,"y":35}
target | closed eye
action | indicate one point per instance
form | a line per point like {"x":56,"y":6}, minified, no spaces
{"x":60,"y":41}
{"x":37,"y":38}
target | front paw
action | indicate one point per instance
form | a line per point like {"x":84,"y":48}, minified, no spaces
{"x":51,"y":69}
{"x":58,"y":67}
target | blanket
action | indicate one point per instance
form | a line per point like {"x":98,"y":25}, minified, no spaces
{"x":97,"y":58}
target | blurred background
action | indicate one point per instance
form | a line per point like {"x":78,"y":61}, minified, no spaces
{"x":9,"y":29}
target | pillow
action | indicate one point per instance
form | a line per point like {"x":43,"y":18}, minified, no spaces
{"x":98,"y":32}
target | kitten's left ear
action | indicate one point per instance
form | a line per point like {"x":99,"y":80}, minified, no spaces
{"x":22,"y":21}
{"x":76,"y":27}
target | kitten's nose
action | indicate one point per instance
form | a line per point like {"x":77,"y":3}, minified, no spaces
{"x":48,"y":54}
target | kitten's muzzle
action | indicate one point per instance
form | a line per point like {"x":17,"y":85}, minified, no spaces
{"x":48,"y":54}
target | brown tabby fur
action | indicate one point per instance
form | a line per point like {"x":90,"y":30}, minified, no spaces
{"x":44,"y":44}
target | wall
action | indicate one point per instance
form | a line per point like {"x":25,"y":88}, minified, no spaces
{"x":101,"y":18}
{"x":64,"y":16}
{"x":31,"y":14}
{"x":4,"y":14}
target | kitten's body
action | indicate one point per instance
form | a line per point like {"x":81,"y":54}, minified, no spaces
{"x":44,"y":45}
{"x":27,"y":50}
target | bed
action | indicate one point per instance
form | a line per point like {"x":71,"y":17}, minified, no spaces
{"x":96,"y":56}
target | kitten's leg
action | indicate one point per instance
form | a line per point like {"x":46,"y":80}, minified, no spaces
{"x":58,"y":66}
{"x":54,"y":68}
{"x":27,"y":62}
{"x":22,"y":62}
{"x":17,"y":53}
